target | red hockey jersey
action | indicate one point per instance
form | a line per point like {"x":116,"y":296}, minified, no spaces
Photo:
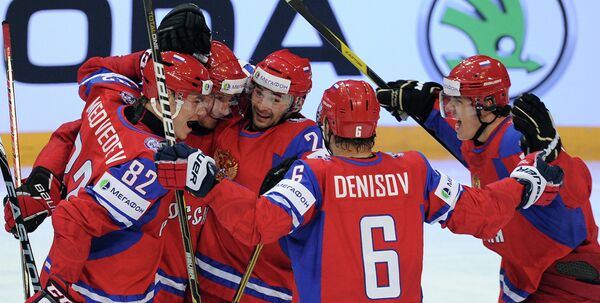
{"x":105,"y":73}
{"x":537,"y":237}
{"x":354,"y":227}
{"x":109,"y":233}
{"x":246,"y":157}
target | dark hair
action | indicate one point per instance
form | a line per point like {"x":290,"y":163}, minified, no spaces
{"x":360,"y":144}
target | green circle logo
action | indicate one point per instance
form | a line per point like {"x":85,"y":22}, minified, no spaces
{"x":533,"y":39}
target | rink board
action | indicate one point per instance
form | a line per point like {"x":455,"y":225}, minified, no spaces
{"x":578,"y":140}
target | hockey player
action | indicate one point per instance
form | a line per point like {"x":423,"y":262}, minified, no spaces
{"x":353,"y":222}
{"x":184,"y":30}
{"x":549,"y":254}
{"x":247,"y":147}
{"x":108,"y":240}
{"x":229,"y":81}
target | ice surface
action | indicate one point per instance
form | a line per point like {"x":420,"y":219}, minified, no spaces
{"x":457,"y":268}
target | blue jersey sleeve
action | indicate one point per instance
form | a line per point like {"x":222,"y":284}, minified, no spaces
{"x":309,"y":139}
{"x":298,"y":193}
{"x":105,"y":76}
{"x":128,"y":191}
{"x":441,"y":194}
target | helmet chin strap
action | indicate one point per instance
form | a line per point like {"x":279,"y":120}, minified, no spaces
{"x":478,"y":108}
{"x":326,"y":138}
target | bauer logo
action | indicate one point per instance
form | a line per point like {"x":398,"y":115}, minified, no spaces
{"x":533,"y":39}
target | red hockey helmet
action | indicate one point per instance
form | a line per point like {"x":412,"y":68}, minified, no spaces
{"x":480,"y":78}
{"x":285,"y":73}
{"x":351,"y":109}
{"x":225,"y":70}
{"x":183,"y":73}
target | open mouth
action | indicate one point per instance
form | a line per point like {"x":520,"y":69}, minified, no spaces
{"x":457,"y":125}
{"x":263,"y":116}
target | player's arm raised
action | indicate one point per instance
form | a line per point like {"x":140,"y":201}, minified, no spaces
{"x":483,"y":212}
{"x":419,"y":100}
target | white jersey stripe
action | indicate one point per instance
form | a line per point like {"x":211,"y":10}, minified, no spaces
{"x":236,"y":279}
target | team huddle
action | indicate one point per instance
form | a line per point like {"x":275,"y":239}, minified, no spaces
{"x":319,"y":214}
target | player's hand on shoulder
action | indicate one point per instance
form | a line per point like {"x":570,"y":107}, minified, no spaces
{"x":37,"y":197}
{"x":56,"y":291}
{"x":183,"y":167}
{"x":276,"y":174}
{"x":184,"y":30}
{"x":533,"y":120}
{"x":542,"y":180}
{"x":409,"y":97}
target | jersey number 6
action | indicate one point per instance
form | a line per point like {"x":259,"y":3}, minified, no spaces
{"x":371,"y":257}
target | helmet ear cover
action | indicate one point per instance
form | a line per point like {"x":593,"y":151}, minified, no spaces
{"x":493,"y":107}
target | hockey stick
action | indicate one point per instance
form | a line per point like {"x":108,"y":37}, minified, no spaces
{"x":27,"y":252}
{"x":15,"y":148}
{"x":299,"y":7}
{"x":161,"y":85}
{"x":275,"y":173}
{"x":249,"y":269}
{"x":12,"y":108}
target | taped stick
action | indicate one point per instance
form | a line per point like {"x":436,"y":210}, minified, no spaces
{"x":336,"y":42}
{"x":161,"y":85}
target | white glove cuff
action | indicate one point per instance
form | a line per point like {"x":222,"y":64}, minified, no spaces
{"x":197,"y":170}
{"x":537,"y":182}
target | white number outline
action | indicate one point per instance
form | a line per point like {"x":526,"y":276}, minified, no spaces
{"x":371,"y":257}
{"x":134,"y":170}
{"x":83,"y":173}
{"x":149,"y":174}
{"x":312,"y":136}
{"x":297,"y":173}
{"x":358,"y":131}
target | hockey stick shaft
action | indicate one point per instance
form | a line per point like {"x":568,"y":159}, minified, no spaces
{"x":12,"y":107}
{"x":27,"y":252}
{"x":299,"y":7}
{"x":246,"y":277}
{"x":15,"y":143}
{"x":163,"y":97}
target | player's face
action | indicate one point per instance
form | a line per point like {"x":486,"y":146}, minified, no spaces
{"x":462,"y":110}
{"x":268,"y":107}
{"x":218,"y":108}
{"x":194,"y":105}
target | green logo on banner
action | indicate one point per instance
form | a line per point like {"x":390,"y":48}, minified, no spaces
{"x":533,"y":39}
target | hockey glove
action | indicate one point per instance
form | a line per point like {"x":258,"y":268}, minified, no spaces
{"x":38,"y":196}
{"x":542,"y":181}
{"x":182,"y":167}
{"x":56,"y":291}
{"x":276,"y":174}
{"x":533,"y":120}
{"x":184,"y":30}
{"x":409,"y":96}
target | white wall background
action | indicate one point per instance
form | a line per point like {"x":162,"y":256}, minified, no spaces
{"x":385,"y":34}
